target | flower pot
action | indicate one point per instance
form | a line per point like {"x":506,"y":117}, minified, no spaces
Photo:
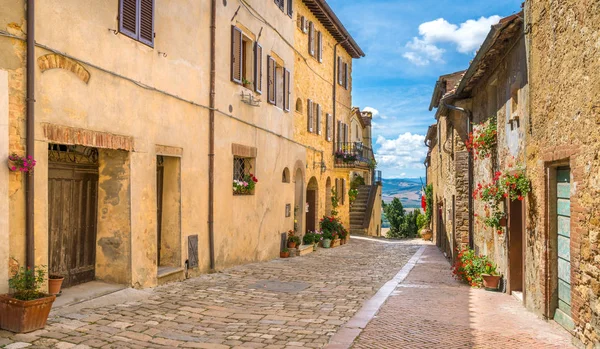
{"x":326,"y":243}
{"x":491,"y":281}
{"x":54,"y":284}
{"x":426,"y":234}
{"x":284,"y":254}
{"x":24,"y":316}
{"x":335,"y":243}
{"x":291,"y":244}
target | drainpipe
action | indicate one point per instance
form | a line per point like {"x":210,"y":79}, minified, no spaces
{"x":470,"y":171}
{"x":335,"y":77}
{"x":30,"y":136}
{"x":211,"y":134}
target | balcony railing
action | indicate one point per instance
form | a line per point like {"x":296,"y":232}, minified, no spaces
{"x":353,"y":154}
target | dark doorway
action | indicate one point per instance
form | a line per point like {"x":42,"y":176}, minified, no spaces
{"x":311,"y":214}
{"x":515,"y":247}
{"x":72,"y":213}
{"x":160,"y":175}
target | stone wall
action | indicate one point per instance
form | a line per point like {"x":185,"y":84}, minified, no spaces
{"x":564,"y":129}
{"x":4,"y":175}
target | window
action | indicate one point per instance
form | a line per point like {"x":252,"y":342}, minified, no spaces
{"x":290,"y":8}
{"x":318,"y":112}
{"x":302,"y":23}
{"x":285,"y":176}
{"x":246,"y":60}
{"x":236,"y":54}
{"x":299,"y":105}
{"x":258,"y":67}
{"x":280,"y":3}
{"x":287,"y":89}
{"x":345,"y":75}
{"x":339,"y":70}
{"x":136,"y":20}
{"x":340,"y":190}
{"x":242,"y":169}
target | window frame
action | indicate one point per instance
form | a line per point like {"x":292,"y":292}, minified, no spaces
{"x":137,"y":35}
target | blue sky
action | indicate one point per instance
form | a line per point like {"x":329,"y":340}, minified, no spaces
{"x":409,"y":44}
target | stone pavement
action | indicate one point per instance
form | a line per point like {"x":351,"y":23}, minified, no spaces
{"x":285,"y":303}
{"x":430,"y":309}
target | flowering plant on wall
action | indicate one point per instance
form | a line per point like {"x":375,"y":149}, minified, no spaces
{"x":345,"y":156}
{"x":482,"y":140}
{"x":21,"y":163}
{"x":245,"y":186}
{"x":505,"y":185}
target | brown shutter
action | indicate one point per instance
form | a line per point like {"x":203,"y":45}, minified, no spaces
{"x":319,"y":121}
{"x":337,"y":188}
{"x":290,"y":9}
{"x":311,"y":39}
{"x":328,"y":126}
{"x":339,"y":70}
{"x":343,"y":191}
{"x":128,"y":18}
{"x":258,"y":67}
{"x":346,"y":76}
{"x":147,"y":22}
{"x":271,"y":79}
{"x":346,"y":136}
{"x":286,"y":89}
{"x":309,"y":109}
{"x":236,"y":54}
{"x":319,"y":46}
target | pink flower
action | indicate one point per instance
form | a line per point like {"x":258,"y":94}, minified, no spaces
{"x":13,"y":168}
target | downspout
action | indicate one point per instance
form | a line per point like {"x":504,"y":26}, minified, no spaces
{"x":211,"y":134}
{"x":470,"y":171}
{"x":335,"y":77}
{"x":30,"y":136}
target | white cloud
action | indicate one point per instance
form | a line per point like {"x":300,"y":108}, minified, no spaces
{"x":375,"y":113}
{"x":405,"y":152}
{"x":466,"y":36}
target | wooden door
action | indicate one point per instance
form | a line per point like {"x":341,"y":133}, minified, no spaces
{"x":311,"y":215}
{"x":160,"y":175}
{"x":72,"y":212}
{"x":563,"y":214}
{"x":515,"y":248}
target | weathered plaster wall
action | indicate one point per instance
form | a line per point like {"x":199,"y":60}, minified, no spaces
{"x":113,"y":239}
{"x":564,"y":127}
{"x":4,"y":175}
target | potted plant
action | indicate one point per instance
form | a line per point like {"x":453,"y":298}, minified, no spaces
{"x":327,"y":237}
{"x":27,"y":308}
{"x":18,"y":163}
{"x":246,"y":83}
{"x":245,"y":186}
{"x":285,"y":253}
{"x":308,"y":238}
{"x":293,"y":239}
{"x":490,"y":277}
{"x":55,"y":284}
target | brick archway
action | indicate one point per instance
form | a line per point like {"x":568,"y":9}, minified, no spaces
{"x":54,"y":61}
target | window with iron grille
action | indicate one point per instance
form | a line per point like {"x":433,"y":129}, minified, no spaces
{"x":243,"y":176}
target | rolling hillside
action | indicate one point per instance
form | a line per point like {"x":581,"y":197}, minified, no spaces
{"x":408,"y":190}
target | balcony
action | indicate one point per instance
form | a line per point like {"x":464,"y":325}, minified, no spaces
{"x":353,"y":155}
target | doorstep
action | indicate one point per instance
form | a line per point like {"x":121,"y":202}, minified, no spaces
{"x":305,"y":249}
{"x":170,"y":274}
{"x":84,"y":292}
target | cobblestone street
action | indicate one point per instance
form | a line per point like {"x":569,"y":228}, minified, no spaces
{"x":284,"y":303}
{"x":430,"y":309}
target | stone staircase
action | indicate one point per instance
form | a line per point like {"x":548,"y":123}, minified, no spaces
{"x":358,"y":212}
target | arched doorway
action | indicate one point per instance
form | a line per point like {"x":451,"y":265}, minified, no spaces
{"x":298,"y":201}
{"x":311,"y":208}
{"x":328,"y":197}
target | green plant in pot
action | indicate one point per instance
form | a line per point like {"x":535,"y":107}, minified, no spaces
{"x":293,"y":239}
{"x":327,"y":237}
{"x":26,"y":309}
{"x":285,"y":253}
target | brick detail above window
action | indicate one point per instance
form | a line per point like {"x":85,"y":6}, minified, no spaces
{"x":243,"y":151}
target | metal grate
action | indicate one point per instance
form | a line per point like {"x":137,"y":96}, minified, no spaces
{"x":241,"y":167}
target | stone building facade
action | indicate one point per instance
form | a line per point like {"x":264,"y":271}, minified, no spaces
{"x":122,"y":129}
{"x":535,"y":75}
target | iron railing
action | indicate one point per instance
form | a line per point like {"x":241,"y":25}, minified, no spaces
{"x":353,"y":154}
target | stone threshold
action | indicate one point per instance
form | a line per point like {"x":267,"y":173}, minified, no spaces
{"x":344,"y":338}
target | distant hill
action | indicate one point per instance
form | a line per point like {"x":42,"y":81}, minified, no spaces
{"x":408,"y":190}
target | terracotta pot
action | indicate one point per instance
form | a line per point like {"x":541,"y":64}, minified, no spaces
{"x":342,"y":241}
{"x":426,"y":234}
{"x":284,"y":254}
{"x":291,"y":244}
{"x":54,"y":284}
{"x":24,"y":316}
{"x":491,"y":281}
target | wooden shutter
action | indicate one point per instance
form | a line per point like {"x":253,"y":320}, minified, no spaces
{"x":319,"y":46}
{"x":319,"y":121}
{"x":236,"y":54}
{"x":271,"y":79}
{"x":286,"y":89}
{"x":309,"y":109}
{"x":339,"y":70}
{"x":128,"y":18}
{"x":337,"y":188}
{"x":290,"y":10}
{"x":147,"y":22}
{"x":346,"y":138}
{"x":258,"y":66}
{"x":328,"y":126}
{"x":346,"y":76}
{"x":311,"y":39}
{"x":343,"y":191}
